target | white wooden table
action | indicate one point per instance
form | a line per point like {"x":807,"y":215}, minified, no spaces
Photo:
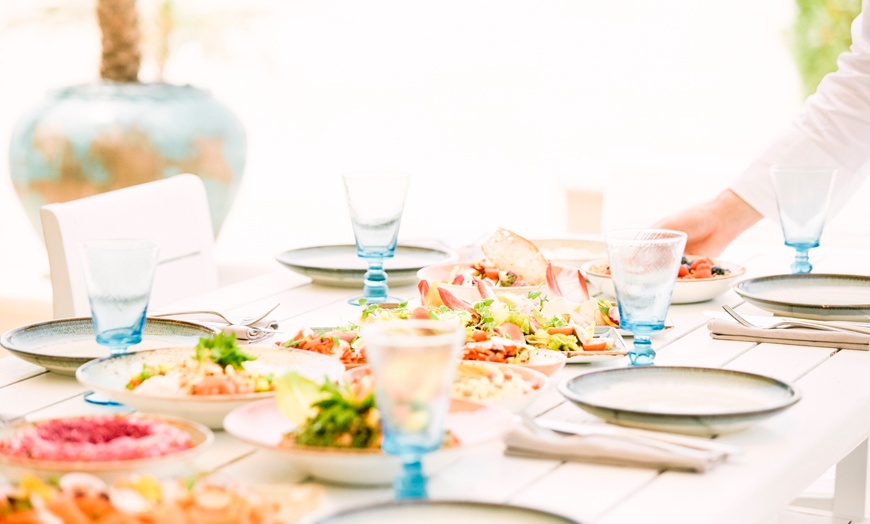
{"x":783,"y":455}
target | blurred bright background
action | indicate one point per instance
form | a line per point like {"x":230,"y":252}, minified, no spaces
{"x":499,"y":109}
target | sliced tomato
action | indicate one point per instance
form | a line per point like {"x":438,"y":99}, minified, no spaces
{"x":511,"y":331}
{"x":479,"y":336}
{"x":491,"y":273}
{"x":703,"y":272}
{"x":600,"y":346}
{"x":683,"y":271}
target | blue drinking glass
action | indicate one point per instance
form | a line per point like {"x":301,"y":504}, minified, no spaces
{"x":376,"y":202}
{"x":643,"y":265}
{"x":413,"y":366}
{"x":802,"y":196}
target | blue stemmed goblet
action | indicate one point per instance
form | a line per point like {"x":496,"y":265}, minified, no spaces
{"x":376,"y":201}
{"x":802,"y":199}
{"x":643,"y":265}
{"x":413,"y":365}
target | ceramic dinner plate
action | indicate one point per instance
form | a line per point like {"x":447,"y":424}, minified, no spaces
{"x":813,"y":296}
{"x":63,"y":345}
{"x":262,"y":424}
{"x":338,"y":265}
{"x":701,"y":401}
{"x":175,"y":463}
{"x":437,"y":512}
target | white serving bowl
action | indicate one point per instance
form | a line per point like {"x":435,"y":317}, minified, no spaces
{"x":109,"y":376}
{"x":566,"y":276}
{"x":686,"y":291}
{"x":572,"y":250}
{"x":263,"y":425}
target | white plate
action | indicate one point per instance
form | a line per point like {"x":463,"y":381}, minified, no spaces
{"x":338,"y":265}
{"x":263,"y":425}
{"x":701,"y":401}
{"x":63,"y":345}
{"x":572,"y":250}
{"x":686,"y":291}
{"x":110,"y":376}
{"x":436,"y":512}
{"x":177,"y":463}
{"x":813,"y":296}
{"x":602,"y":356}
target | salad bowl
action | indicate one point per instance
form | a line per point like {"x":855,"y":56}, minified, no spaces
{"x":262,"y":424}
{"x":111,"y":376}
{"x":686,"y":290}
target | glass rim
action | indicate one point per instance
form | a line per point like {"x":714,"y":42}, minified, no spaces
{"x":399,"y":332}
{"x":667,"y":235}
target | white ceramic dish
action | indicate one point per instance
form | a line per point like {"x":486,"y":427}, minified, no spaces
{"x":699,"y":401}
{"x":566,"y":276}
{"x":812,"y":295}
{"x":62,"y":345}
{"x":436,"y":512}
{"x":263,"y":425}
{"x":177,"y":463}
{"x":572,"y":250}
{"x":338,"y":265}
{"x":546,"y":361}
{"x":686,"y":291}
{"x":109,"y":376}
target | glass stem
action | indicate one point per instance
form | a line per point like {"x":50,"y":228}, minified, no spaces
{"x":801,"y":262}
{"x":410,"y":484}
{"x":375,"y":288}
{"x":642,"y":353}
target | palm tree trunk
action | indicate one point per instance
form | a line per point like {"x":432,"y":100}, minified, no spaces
{"x":119,"y":25}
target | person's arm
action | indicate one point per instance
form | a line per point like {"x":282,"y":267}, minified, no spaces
{"x":713,"y":225}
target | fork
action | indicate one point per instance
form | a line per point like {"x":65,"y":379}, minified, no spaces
{"x":810,"y":324}
{"x":247,"y":321}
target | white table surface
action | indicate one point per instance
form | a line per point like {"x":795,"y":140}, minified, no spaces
{"x":783,"y":455}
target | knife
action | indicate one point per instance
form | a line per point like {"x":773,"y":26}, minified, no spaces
{"x":608,"y":430}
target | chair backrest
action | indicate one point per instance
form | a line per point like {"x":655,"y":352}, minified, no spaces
{"x":173,"y":212}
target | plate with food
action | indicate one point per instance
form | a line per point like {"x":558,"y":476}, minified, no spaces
{"x":339,"y":265}
{"x":815,"y":296}
{"x":83,"y":498}
{"x":349,"y":452}
{"x":701,"y":401}
{"x":202,"y":383}
{"x":61,"y":346}
{"x":103,"y":445}
{"x":699,"y":279}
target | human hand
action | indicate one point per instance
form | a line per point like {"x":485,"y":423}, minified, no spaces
{"x":713,"y":225}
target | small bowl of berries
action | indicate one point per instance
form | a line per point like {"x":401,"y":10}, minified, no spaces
{"x":700,"y":278}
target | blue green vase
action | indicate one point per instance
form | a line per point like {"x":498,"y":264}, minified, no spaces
{"x":93,"y":138}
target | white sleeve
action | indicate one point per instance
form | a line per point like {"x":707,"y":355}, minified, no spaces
{"x":833,"y":129}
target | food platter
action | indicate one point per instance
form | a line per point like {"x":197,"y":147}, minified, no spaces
{"x":61,"y":346}
{"x":338,"y":265}
{"x":701,"y":401}
{"x":811,"y":295}
{"x":262,"y":424}
{"x":686,"y":291}
{"x":437,"y":511}
{"x":110,"y":376}
{"x":174,"y":463}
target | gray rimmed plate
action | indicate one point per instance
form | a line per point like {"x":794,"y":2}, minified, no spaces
{"x":698,"y":401}
{"x":437,"y":511}
{"x":813,"y":296}
{"x":65,"y":344}
{"x":338,"y":265}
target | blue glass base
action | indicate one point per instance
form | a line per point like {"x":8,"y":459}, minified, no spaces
{"x":641,"y":353}
{"x":411,"y":483}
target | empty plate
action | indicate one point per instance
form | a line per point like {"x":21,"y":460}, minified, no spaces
{"x":338,"y":265}
{"x":699,"y":401}
{"x":438,"y":512}
{"x":814,"y":296}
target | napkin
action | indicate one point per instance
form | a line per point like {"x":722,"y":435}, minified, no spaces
{"x":727,"y":330}
{"x":524,"y":441}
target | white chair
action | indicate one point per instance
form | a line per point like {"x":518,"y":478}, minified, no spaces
{"x":173,"y":212}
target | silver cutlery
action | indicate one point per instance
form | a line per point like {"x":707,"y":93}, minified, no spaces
{"x":789,"y":323}
{"x":245,"y":321}
{"x":639,"y":436}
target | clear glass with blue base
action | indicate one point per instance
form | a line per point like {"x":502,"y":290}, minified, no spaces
{"x":802,"y":196}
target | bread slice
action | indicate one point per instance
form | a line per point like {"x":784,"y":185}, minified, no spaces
{"x":511,"y":252}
